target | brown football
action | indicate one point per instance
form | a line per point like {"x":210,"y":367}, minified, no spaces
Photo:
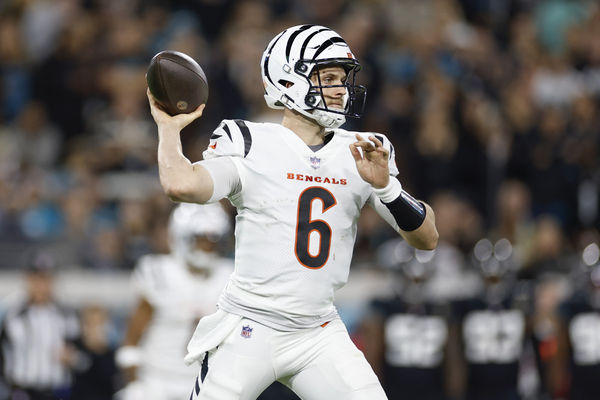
{"x":177,"y":82}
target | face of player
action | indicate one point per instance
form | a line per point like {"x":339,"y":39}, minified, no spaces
{"x":330,"y":76}
{"x":39,"y":287}
{"x":203,"y":253}
{"x":205,"y":244}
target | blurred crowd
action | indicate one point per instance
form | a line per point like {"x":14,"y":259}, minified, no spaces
{"x":493,"y":108}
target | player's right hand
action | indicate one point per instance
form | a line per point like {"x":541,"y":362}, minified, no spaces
{"x":168,"y":122}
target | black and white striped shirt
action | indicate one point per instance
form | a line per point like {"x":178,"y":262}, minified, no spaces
{"x":32,"y":338}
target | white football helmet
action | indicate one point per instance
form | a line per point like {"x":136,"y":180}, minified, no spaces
{"x":414,"y":264}
{"x":590,"y":258}
{"x":187,"y":222}
{"x":495,"y":260}
{"x":288,"y":63}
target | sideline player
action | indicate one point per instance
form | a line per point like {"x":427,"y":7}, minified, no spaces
{"x":494,"y":326}
{"x":299,"y":187}
{"x":175,"y":290}
{"x":406,"y":335}
{"x":575,"y":367}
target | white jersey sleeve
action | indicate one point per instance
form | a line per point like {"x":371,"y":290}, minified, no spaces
{"x":230,"y":141}
{"x":147,"y":276}
{"x":390,"y":148}
{"x":224,"y":175}
{"x":231,"y":138}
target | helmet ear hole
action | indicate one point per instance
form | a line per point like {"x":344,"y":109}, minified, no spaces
{"x":300,"y":67}
{"x":285,"y":83}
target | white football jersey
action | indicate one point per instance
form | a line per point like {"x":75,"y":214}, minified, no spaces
{"x":179,"y":299}
{"x":296,"y":222}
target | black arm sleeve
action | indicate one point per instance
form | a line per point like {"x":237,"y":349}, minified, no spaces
{"x":408,"y":212}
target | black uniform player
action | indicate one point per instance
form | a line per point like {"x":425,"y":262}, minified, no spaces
{"x":578,"y":355}
{"x":493,"y":327}
{"x":406,"y":335}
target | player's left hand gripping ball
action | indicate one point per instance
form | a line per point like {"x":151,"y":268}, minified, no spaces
{"x":177,"y":82}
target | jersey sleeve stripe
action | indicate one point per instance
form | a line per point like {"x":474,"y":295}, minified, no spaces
{"x":382,"y":140}
{"x":246,"y":134}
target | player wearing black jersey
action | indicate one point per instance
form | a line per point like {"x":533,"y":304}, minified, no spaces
{"x":576,"y":368}
{"x":493,"y":327}
{"x":406,"y":335}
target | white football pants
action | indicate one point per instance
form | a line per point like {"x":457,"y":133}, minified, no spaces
{"x":319,"y":363}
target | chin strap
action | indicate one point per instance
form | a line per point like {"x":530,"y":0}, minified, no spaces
{"x":323,"y":118}
{"x":327,"y":120}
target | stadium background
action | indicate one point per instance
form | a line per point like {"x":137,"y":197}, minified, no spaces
{"x":492,"y":107}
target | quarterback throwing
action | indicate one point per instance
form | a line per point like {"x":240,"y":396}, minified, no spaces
{"x":298,"y":187}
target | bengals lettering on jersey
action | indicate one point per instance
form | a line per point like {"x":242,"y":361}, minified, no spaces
{"x":296,"y":224}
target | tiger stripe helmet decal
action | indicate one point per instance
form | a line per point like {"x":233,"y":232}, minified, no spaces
{"x":288,"y":63}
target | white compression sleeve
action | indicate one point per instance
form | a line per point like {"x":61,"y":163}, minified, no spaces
{"x":225,"y":177}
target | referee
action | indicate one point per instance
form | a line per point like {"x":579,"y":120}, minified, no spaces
{"x":35,"y":336}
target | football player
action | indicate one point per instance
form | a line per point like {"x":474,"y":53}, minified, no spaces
{"x":494,"y":326}
{"x":298,"y":187}
{"x":406,"y":335}
{"x":576,"y":366}
{"x":175,"y":291}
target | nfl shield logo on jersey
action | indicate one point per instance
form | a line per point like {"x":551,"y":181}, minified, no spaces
{"x":246,"y":331}
{"x":315,"y":162}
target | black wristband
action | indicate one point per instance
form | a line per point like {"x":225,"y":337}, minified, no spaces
{"x":408,"y":212}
